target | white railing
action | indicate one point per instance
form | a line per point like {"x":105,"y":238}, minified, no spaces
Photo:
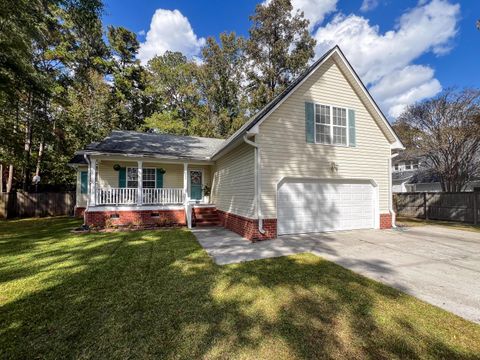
{"x":116,"y":196}
{"x":128,"y":196}
{"x":163,"y":196}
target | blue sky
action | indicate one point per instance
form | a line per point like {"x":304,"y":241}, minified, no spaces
{"x":404,"y":51}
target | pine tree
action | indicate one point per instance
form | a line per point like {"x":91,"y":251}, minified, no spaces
{"x":279,"y":48}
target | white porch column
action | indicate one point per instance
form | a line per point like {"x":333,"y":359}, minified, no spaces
{"x":140,"y":183}
{"x":185,"y":182}
{"x":93,"y":181}
{"x":188,"y":206}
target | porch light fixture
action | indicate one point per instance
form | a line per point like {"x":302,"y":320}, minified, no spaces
{"x":117,"y":167}
{"x":333,"y":166}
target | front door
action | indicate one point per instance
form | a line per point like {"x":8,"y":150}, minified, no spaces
{"x":196,"y":184}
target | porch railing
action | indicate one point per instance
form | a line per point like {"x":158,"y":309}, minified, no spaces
{"x":163,"y":196}
{"x":128,"y":196}
{"x":116,"y":196}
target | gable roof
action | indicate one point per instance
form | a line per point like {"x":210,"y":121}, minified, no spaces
{"x":173,"y":146}
{"x":272,"y":105}
{"x":201,"y":148}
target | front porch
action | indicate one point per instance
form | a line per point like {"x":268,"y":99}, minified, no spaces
{"x":139,"y":183}
{"x":131,"y":192}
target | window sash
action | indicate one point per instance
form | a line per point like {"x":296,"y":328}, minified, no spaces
{"x":331,"y":125}
{"x":149,"y":177}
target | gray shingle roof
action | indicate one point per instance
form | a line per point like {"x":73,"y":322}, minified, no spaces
{"x":174,"y":146}
{"x":402,"y":176}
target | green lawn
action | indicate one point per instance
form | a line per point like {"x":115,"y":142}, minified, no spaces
{"x":156,"y":294}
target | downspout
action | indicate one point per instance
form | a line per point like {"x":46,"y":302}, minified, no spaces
{"x":87,"y":159}
{"x":390,"y":185}
{"x":258,"y":209}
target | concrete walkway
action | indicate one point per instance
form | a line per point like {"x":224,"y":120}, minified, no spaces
{"x":434,"y":263}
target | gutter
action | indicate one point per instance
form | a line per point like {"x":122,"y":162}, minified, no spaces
{"x":87,"y":159}
{"x":258,"y":209}
{"x":390,"y":185}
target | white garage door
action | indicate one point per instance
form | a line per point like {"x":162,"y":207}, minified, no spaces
{"x":305,"y":206}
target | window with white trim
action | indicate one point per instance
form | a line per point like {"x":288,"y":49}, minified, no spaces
{"x":132,"y":177}
{"x":148,"y":174}
{"x":330,"y":125}
{"x":149,"y":178}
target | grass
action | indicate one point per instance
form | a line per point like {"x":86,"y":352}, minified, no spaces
{"x":421,"y":222}
{"x":156,"y":294}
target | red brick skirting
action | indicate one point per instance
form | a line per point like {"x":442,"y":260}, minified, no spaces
{"x":385,"y":221}
{"x":136,"y":217}
{"x":246,"y":227}
{"x":79,"y":211}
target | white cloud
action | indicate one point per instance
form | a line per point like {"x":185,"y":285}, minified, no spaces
{"x":169,"y":30}
{"x":403,"y":87}
{"x":368,"y":5}
{"x":141,"y":32}
{"x":429,"y":27}
{"x":313,"y":10}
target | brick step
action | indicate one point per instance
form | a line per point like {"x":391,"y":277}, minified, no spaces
{"x":208,"y":223}
{"x":206,"y":217}
{"x":213,"y":211}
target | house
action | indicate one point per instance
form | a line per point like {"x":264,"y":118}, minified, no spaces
{"x":408,"y":175}
{"x":316,"y":158}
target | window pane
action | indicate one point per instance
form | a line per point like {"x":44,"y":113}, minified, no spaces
{"x":132,"y":177}
{"x":322,"y":114}
{"x":323,"y":134}
{"x":149,"y":174}
{"x":339,"y":135}
{"x":339,"y":117}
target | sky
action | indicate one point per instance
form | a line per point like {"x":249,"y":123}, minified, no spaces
{"x":404,"y":50}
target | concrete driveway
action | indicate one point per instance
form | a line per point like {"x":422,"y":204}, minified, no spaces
{"x":434,"y":263}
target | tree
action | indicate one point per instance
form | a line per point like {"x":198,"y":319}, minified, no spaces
{"x":279,"y":48}
{"x":445,"y":130}
{"x":222,"y":76}
{"x":173,"y":82}
{"x":128,"y":100}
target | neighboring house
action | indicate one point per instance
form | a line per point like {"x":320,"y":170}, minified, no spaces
{"x":408,"y":175}
{"x":316,"y":158}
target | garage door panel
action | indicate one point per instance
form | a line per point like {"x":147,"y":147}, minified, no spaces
{"x":310,"y":206}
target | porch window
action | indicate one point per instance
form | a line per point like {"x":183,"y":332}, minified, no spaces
{"x":330,"y":125}
{"x":149,"y":178}
{"x":132,"y":177}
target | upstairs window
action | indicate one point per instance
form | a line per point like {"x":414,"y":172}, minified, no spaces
{"x":331,"y":125}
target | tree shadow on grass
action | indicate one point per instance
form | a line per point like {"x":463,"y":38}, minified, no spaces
{"x":156,"y":294}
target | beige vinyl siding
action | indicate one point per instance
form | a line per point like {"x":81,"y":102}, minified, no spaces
{"x":233,"y":187}
{"x":81,"y":199}
{"x":285,"y":152}
{"x":173,"y":177}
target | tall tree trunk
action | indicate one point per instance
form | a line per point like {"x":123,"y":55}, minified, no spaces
{"x":27,"y":145}
{"x":39,"y":157}
{"x":10,"y":178}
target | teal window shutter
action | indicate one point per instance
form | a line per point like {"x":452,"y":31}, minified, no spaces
{"x":351,"y":128}
{"x":309,"y":122}
{"x":83,"y":182}
{"x":159,"y":183}
{"x":122,"y":177}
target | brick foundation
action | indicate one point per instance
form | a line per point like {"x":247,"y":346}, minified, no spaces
{"x":79,"y":211}
{"x":136,"y":217}
{"x":385,"y":221}
{"x":246,"y":227}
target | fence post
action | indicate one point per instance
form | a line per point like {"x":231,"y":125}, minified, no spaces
{"x":425,"y":205}
{"x":475,"y":207}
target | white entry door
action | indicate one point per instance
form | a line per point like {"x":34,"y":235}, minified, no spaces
{"x":305,"y":206}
